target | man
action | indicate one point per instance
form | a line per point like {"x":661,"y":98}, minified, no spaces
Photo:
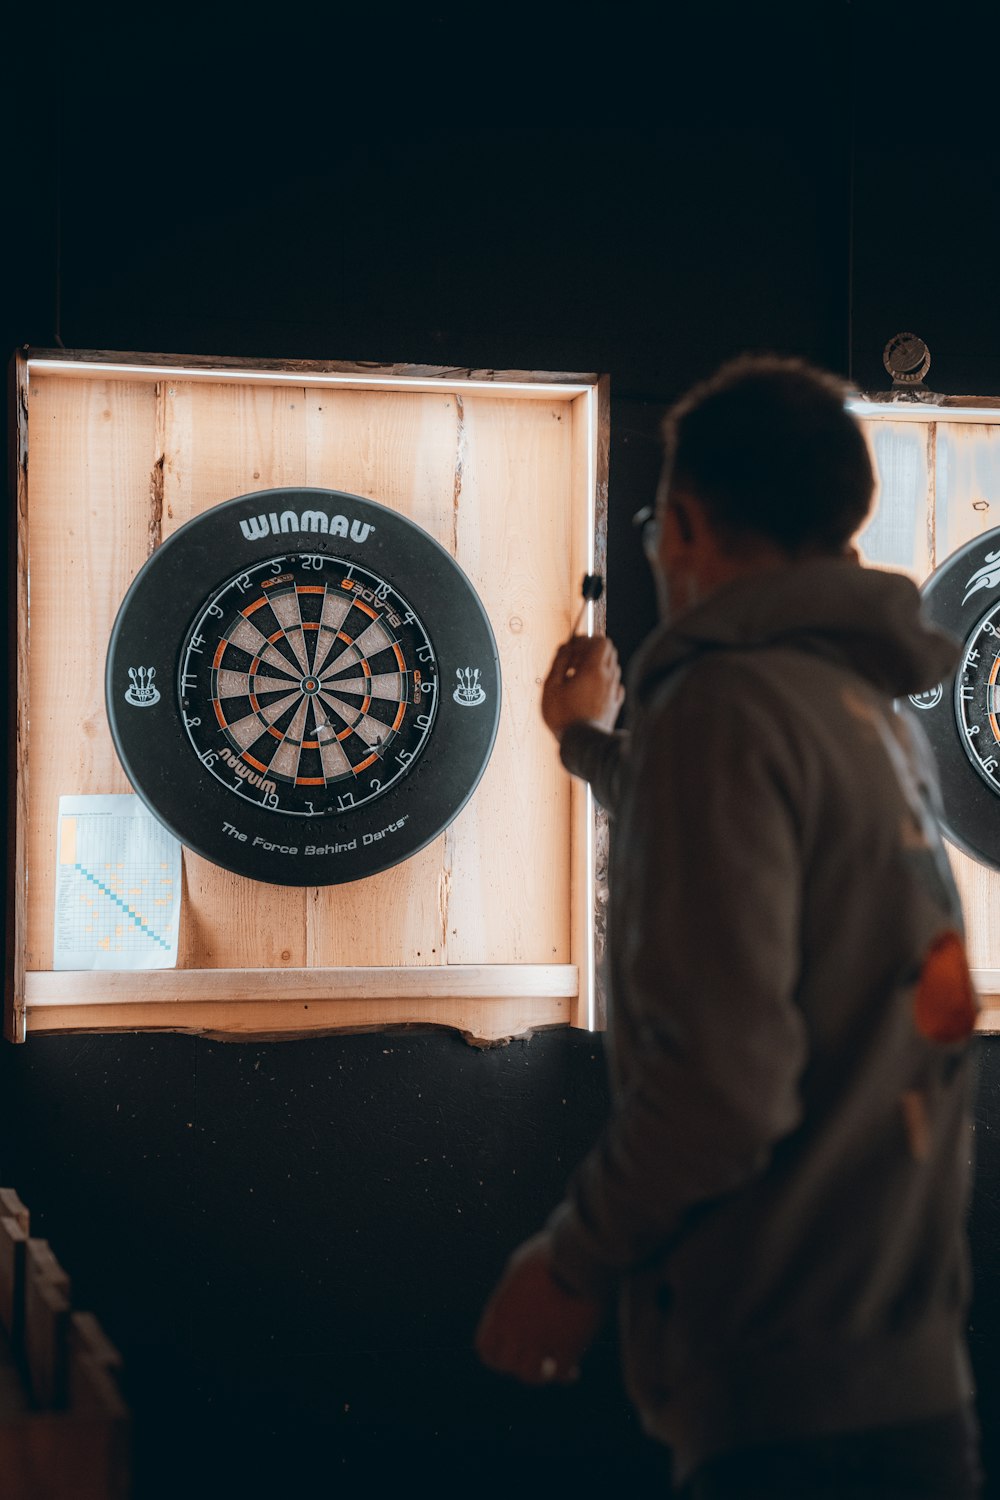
{"x":779,"y":1195}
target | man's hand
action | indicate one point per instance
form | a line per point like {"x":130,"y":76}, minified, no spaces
{"x":532,"y":1327}
{"x":584,"y":683}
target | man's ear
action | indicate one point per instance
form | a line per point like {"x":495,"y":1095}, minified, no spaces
{"x":680,"y":508}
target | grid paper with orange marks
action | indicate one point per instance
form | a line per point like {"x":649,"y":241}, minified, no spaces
{"x":118,"y":886}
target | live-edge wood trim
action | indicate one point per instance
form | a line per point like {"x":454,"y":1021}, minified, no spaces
{"x":483,"y":1022}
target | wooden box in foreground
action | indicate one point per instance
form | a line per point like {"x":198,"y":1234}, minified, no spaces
{"x":489,"y":929}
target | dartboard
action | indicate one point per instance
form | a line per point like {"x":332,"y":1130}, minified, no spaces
{"x":962,"y":716}
{"x":303,"y":686}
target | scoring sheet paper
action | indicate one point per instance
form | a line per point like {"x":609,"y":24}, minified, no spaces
{"x":118,"y":886}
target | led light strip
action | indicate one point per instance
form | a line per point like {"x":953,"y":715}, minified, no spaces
{"x":280,"y":377}
{"x":906,"y":411}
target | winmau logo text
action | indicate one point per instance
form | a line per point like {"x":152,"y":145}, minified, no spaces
{"x":310,"y":520}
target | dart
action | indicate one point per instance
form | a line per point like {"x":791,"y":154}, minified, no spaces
{"x":591,"y":589}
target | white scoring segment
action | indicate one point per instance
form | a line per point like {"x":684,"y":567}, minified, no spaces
{"x":385,"y":685}
{"x":332,"y":755}
{"x":242,"y":684}
{"x":348,"y":658}
{"x":285,"y":760}
{"x":373,"y":639}
{"x":244,"y":731}
{"x":347,"y":711}
{"x":277,"y":662}
{"x":372,"y":731}
{"x":254,"y":643}
{"x":247,"y":637}
{"x":285,"y":608}
{"x":334,"y":760}
{"x":332,"y":617}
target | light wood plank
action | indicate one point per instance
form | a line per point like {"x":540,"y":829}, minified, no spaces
{"x":589,"y":435}
{"x":899,"y":533}
{"x":968,"y":483}
{"x":979,"y":889}
{"x":90,"y":477}
{"x":509,"y":849}
{"x":400,"y":450}
{"x":219,"y":441}
{"x":450,"y":981}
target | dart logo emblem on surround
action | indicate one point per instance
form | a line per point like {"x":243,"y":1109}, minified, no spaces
{"x":142,"y":693}
{"x":305,"y":741}
{"x":929,"y":698}
{"x":469,"y":692}
{"x":986,"y":577}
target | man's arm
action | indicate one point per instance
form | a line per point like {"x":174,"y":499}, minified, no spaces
{"x":708,"y":966}
{"x":534,"y":1326}
{"x":581,"y":700}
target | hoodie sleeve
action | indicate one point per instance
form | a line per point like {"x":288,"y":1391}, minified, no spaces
{"x":596,"y":756}
{"x":709,"y":1041}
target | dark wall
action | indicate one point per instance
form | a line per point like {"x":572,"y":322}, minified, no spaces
{"x":291,"y":1242}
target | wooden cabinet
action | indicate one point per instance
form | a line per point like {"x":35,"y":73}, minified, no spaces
{"x":489,"y":929}
{"x":938,"y":468}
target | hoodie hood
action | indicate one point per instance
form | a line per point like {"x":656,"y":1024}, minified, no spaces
{"x":867,"y":620}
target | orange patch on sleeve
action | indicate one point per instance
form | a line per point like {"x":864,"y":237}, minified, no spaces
{"x":945,"y":1006}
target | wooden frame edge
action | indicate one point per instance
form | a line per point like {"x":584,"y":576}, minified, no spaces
{"x":592,"y":413}
{"x":14,"y":1027}
{"x":219,"y":364}
{"x":602,"y":826}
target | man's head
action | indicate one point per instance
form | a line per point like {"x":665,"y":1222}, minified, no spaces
{"x":769,"y":450}
{"x":763,"y":465}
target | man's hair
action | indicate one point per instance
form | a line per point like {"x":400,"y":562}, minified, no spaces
{"x":768,"y":448}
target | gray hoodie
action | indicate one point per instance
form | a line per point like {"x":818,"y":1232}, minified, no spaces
{"x":780,"y":1192}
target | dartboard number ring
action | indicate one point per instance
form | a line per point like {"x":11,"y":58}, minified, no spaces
{"x":962,"y":716}
{"x":351,"y":705}
{"x":303,"y":686}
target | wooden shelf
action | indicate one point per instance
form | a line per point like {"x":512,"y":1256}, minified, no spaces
{"x":486,"y":1003}
{"x":258,"y":986}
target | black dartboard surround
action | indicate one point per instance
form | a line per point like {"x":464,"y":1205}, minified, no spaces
{"x":961,"y":716}
{"x":303,"y":686}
